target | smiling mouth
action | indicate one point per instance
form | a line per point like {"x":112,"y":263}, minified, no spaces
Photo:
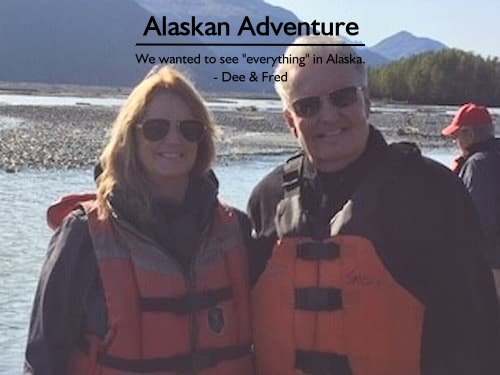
{"x":171,"y":155}
{"x":330,"y":133}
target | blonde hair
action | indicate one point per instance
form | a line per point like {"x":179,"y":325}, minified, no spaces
{"x":119,"y":158}
{"x":319,"y":46}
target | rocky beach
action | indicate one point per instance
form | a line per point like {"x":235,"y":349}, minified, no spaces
{"x":72,"y":136}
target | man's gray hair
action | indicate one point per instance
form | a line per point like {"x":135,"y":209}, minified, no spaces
{"x":317,"y":46}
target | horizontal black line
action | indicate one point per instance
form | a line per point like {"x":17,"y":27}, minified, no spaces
{"x":243,"y":44}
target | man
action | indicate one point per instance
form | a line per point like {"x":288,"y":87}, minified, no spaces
{"x":370,"y":254}
{"x":479,"y":168}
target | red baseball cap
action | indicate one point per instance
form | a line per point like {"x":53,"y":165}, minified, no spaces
{"x":468,"y":115}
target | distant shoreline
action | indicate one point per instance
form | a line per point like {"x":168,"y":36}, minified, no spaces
{"x":63,"y":90}
{"x":68,"y":137}
{"x":33,"y":88}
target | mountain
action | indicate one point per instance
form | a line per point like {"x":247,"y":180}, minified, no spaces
{"x":214,"y":9}
{"x":372,"y":58}
{"x":233,"y":12}
{"x":77,"y":42}
{"x":404,"y":44}
{"x":93,"y":42}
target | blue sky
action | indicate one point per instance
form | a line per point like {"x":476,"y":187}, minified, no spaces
{"x":472,"y":26}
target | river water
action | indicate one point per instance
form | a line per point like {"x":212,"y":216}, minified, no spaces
{"x":220,"y":104}
{"x":25,"y":196}
{"x":24,"y":235}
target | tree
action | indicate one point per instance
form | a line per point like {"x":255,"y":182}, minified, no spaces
{"x":449,"y":76}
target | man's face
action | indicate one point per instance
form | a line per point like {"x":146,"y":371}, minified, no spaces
{"x":332,"y":135}
{"x":464,"y":139}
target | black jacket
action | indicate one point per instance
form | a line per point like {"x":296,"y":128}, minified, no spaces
{"x":480,"y":173}
{"x":69,"y":300}
{"x":432,"y":246}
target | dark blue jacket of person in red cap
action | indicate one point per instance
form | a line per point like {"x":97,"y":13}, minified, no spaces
{"x":480,"y":173}
{"x":478,"y":167}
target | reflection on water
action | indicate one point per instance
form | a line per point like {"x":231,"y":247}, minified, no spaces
{"x":219,"y":104}
{"x":24,"y":235}
{"x":443,"y":155}
{"x":53,"y":101}
{"x":10,"y":122}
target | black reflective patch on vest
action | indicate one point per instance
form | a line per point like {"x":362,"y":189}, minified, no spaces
{"x":291,"y":180}
{"x":318,"y":299}
{"x":189,"y":362}
{"x":322,"y":363}
{"x":215,"y":320}
{"x":318,"y":251}
{"x":187,"y":303}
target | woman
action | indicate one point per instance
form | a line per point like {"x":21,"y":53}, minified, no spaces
{"x":151,"y":274}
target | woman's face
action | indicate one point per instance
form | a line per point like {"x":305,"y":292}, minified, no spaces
{"x":172,"y":156}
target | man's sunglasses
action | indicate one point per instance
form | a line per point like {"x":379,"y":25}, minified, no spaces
{"x":156,"y":129}
{"x":311,"y":105}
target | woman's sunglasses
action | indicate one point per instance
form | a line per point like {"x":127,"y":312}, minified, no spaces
{"x":311,"y":105}
{"x":156,"y":129}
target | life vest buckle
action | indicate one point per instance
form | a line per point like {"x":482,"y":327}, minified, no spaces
{"x":316,"y":251}
{"x":202,"y":359}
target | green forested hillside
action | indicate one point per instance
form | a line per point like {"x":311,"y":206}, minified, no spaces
{"x":447,"y":77}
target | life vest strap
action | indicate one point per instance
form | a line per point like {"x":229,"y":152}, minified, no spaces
{"x":188,"y":303}
{"x":318,"y":299}
{"x":312,"y":362}
{"x":291,"y":179}
{"x":292,"y":171}
{"x":318,"y":251}
{"x":189,"y":362}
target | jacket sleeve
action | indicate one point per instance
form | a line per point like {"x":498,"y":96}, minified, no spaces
{"x":466,"y":298}
{"x":438,"y":244}
{"x":263,"y":236}
{"x":477,"y":177}
{"x":57,"y":314}
{"x":256,"y":261}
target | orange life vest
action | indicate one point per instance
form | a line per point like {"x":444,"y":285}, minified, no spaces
{"x":331,"y":306}
{"x":160,"y":320}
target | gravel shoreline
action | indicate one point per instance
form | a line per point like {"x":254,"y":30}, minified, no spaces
{"x":73,"y":136}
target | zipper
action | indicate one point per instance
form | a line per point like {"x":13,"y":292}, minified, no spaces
{"x":193,"y":324}
{"x":189,"y":276}
{"x":191,"y":289}
{"x":132,"y":230}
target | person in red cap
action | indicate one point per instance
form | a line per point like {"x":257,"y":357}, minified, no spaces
{"x":478,"y":166}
